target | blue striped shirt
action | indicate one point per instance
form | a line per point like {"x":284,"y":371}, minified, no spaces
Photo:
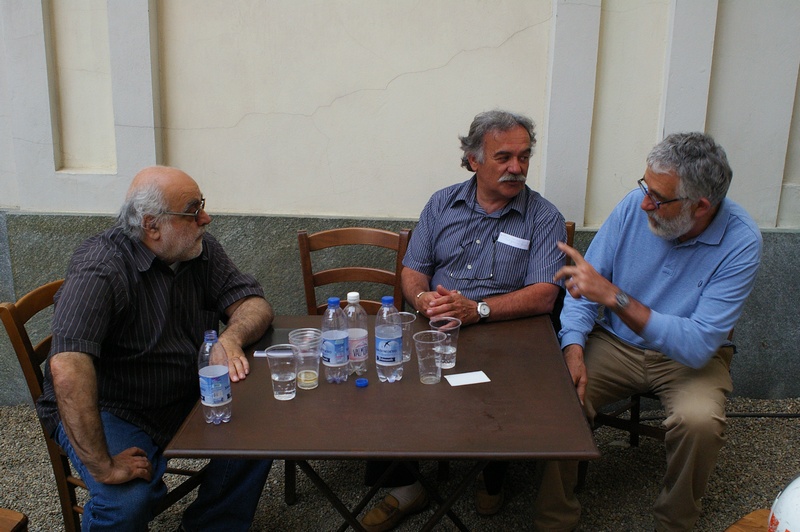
{"x":462,"y":248}
{"x":142,"y":323}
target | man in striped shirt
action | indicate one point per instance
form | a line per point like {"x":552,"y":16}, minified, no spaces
{"x":483,"y":250}
{"x":122,"y":370}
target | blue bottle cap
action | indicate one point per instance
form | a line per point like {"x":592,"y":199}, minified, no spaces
{"x":362,"y":382}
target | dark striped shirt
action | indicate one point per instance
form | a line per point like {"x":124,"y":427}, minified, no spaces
{"x":143,"y":324}
{"x":462,"y":248}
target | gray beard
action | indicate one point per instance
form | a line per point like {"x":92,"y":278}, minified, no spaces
{"x":674,"y":228}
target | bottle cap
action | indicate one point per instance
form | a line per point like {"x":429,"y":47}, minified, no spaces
{"x":333,"y":302}
{"x":353,"y":297}
{"x":387,"y":300}
{"x":362,"y":382}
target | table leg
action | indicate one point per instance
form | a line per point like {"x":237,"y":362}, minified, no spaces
{"x":321,"y":486}
{"x":290,"y":482}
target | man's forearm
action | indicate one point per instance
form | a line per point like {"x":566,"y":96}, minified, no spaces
{"x":75,"y":384}
{"x":248,"y":320}
{"x":538,"y":298}
{"x":413,"y":283}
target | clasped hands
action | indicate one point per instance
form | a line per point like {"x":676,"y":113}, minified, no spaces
{"x":444,"y":302}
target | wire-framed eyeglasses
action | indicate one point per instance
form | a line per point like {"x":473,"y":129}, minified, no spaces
{"x":646,"y":192}
{"x":194,"y":214}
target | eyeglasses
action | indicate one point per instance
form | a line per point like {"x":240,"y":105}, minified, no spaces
{"x":194,"y":214}
{"x":657,"y":203}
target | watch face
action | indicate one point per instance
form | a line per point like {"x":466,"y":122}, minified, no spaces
{"x":483,"y":309}
{"x":622,"y":300}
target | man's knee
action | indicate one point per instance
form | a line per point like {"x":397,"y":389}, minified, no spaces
{"x":128,"y":506}
{"x":700,"y":422}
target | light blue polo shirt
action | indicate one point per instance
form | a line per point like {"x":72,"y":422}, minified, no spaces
{"x":695,"y":289}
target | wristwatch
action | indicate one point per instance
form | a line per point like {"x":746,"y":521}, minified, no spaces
{"x":622,"y":301}
{"x":483,"y":310}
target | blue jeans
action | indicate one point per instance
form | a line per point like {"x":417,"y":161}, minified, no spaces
{"x":226,"y":500}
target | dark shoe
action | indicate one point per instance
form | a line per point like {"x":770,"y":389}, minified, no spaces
{"x":387,"y":514}
{"x":487,"y":504}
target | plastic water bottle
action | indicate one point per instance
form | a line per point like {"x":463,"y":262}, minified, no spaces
{"x":357,"y":333}
{"x":388,"y":342}
{"x":215,"y":383}
{"x":335,"y":349}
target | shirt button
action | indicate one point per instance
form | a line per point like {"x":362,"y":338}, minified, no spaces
{"x":478,"y":241}
{"x":469,"y":266}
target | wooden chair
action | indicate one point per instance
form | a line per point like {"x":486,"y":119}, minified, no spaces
{"x":11,"y":521}
{"x":346,"y":236}
{"x":15,"y":316}
{"x":757,"y":521}
{"x":558,"y":306}
{"x":570,"y":236}
{"x":351,"y":236}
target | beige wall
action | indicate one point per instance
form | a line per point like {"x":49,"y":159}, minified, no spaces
{"x":340,"y":108}
{"x":353,"y":108}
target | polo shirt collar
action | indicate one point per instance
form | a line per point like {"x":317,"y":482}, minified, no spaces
{"x":713,"y":234}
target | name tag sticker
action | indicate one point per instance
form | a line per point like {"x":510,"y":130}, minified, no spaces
{"x":513,"y":241}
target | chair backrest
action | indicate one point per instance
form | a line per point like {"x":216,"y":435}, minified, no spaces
{"x":555,"y":316}
{"x":15,"y":317}
{"x":351,"y":236}
{"x":570,"y":237}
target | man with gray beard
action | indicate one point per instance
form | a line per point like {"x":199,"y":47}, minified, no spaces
{"x":483,"y":250}
{"x":672,"y":266}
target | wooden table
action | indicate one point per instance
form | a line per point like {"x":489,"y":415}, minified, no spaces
{"x":529,"y":410}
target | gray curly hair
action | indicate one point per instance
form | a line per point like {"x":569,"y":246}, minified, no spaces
{"x":700,"y":163}
{"x":140,"y":202}
{"x":495,"y":120}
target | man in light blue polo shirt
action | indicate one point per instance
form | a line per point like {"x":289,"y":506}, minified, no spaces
{"x":672,"y":267}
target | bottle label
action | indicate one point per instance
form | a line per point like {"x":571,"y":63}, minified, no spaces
{"x":215,"y":386}
{"x":358,"y":345}
{"x":388,"y":345}
{"x":334,"y":348}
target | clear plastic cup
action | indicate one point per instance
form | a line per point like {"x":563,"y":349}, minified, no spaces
{"x":308,"y":342}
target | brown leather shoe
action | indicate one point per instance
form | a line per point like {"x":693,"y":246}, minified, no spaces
{"x":387,"y":514}
{"x":487,"y":504}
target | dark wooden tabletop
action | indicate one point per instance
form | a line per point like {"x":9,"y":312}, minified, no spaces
{"x":529,"y":410}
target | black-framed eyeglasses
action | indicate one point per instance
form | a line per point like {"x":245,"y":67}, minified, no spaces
{"x":194,"y":214}
{"x":475,"y":277}
{"x":657,"y":203}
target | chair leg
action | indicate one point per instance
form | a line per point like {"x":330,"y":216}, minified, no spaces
{"x":290,"y":482}
{"x":443,"y":471}
{"x":636,"y":403}
{"x":583,"y":470}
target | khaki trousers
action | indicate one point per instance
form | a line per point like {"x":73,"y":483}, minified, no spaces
{"x":694,"y":403}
